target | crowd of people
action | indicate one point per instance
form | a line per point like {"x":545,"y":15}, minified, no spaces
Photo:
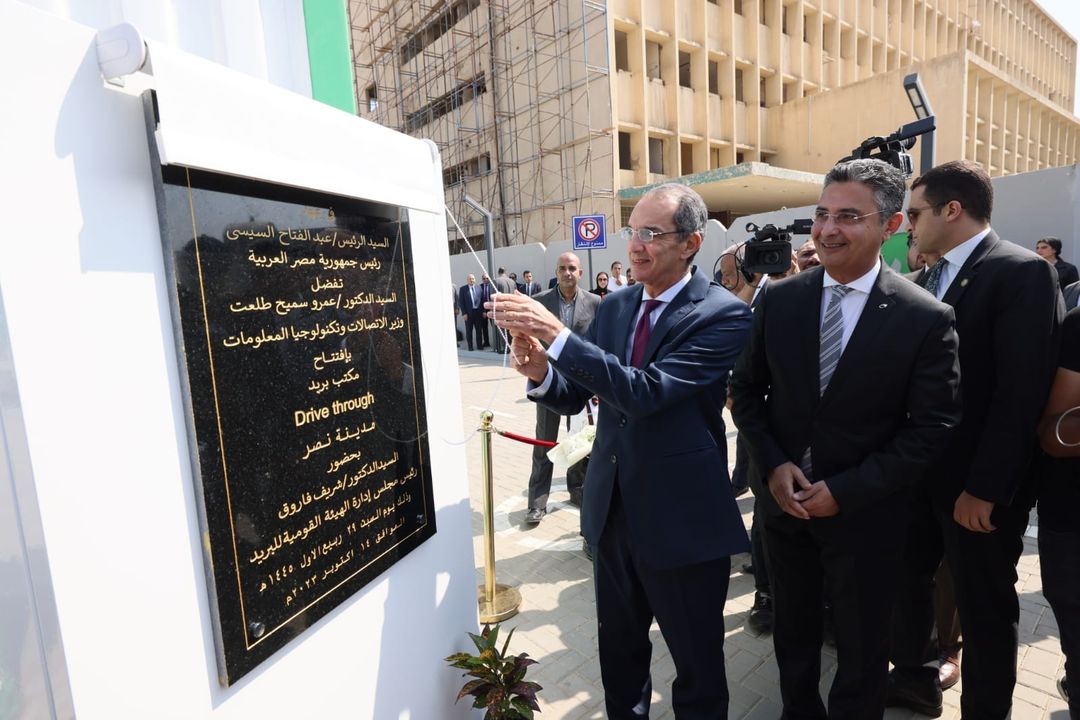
{"x":896,"y":432}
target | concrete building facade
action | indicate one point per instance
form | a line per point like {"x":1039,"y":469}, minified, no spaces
{"x":583,"y":105}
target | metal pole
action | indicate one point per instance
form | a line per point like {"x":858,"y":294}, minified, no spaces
{"x":497,"y":602}
{"x":489,"y":234}
{"x":489,"y":506}
{"x":592,"y":278}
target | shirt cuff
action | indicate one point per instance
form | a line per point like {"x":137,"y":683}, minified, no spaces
{"x":557,"y":344}
{"x":538,"y":391}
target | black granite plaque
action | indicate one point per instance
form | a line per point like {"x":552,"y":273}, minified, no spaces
{"x":297,"y":316}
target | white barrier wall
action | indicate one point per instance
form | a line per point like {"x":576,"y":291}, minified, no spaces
{"x":91,"y":392}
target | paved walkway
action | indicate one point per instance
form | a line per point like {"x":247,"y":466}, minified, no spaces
{"x":556,"y":624}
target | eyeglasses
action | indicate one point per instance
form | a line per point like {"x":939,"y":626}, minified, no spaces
{"x":645,"y":235}
{"x":843,"y":219}
{"x":601,"y":279}
{"x":914,"y":212}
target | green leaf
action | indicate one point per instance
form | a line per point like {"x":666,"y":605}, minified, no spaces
{"x":492,"y":637}
{"x":478,"y":641}
{"x":507,"y":643}
{"x":523,"y":708}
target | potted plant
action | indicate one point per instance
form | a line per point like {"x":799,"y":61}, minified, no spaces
{"x":498,"y":682}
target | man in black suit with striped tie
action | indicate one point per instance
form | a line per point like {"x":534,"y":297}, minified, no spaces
{"x":849,"y":386}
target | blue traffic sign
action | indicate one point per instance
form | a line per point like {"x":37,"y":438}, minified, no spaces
{"x":589,"y":232}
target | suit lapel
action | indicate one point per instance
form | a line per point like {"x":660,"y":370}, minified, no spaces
{"x":677,"y":309}
{"x":804,"y":330}
{"x":625,"y":323}
{"x":966,"y":275}
{"x":873,"y":324}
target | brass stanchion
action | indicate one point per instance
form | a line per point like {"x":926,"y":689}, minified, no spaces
{"x":497,"y":602}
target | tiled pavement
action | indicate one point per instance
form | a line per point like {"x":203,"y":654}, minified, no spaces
{"x":556,"y":624}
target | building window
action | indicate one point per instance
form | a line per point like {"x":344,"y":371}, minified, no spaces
{"x":739,"y":158}
{"x":624,"y":215}
{"x":436,"y":28}
{"x":652,"y":60}
{"x":714,"y":158}
{"x":625,"y":161}
{"x":622,"y":53}
{"x":783,"y":19}
{"x":656,"y":155}
{"x":762,"y":91}
{"x":473,"y":167}
{"x":684,"y":69}
{"x":463,"y":93}
{"x":686,"y":151}
{"x":738,"y":7}
{"x":714,"y":77}
{"x":371,"y":98}
{"x":738,"y":85}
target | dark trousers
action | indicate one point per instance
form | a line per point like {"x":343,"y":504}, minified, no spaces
{"x":547,"y":428}
{"x":1059,"y":558}
{"x":759,"y":558}
{"x":983,"y":568}
{"x":688,"y":604}
{"x":860,"y":569}
{"x":474,"y":320}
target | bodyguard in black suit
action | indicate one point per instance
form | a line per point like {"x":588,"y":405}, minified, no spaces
{"x":849,"y":386}
{"x":1008,"y":314}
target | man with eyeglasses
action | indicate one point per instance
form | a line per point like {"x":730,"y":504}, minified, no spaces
{"x":847,"y":389}
{"x":659,"y":513}
{"x":1008,"y":316}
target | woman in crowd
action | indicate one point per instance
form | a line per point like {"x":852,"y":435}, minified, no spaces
{"x":601,"y":288}
{"x":1059,"y":497}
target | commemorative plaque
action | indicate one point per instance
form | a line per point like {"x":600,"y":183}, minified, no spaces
{"x":296,"y":315}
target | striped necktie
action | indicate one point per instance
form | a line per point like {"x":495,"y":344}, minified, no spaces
{"x":832,"y":337}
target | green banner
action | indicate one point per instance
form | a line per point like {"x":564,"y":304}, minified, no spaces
{"x":329,"y":55}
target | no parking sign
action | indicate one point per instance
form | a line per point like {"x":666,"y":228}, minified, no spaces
{"x":589,"y":232}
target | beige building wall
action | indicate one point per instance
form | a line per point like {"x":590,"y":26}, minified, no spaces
{"x":981,"y":116}
{"x":550,"y":108}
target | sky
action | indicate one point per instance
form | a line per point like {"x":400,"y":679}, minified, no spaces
{"x":1067,"y":14}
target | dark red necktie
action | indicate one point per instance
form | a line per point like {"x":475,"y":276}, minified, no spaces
{"x":642,"y":333}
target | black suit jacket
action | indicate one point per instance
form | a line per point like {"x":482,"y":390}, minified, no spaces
{"x":1008,"y":316}
{"x":888,"y":410}
{"x":465,"y":305}
{"x":1067,"y":273}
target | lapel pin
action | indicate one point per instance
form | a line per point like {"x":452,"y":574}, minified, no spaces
{"x":882,"y":306}
{"x":964,"y":282}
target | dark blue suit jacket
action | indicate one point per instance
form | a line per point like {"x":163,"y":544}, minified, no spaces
{"x":660,"y":434}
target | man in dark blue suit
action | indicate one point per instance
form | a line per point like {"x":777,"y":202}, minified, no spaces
{"x":659,"y":512}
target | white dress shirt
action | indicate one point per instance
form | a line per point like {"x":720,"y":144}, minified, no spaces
{"x":955,"y":259}
{"x":852,"y":305}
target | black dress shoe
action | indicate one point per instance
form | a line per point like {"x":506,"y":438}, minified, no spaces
{"x":748,"y":568}
{"x":1062,"y":689}
{"x":921,"y":696}
{"x":760,"y":617}
{"x":534,"y":516}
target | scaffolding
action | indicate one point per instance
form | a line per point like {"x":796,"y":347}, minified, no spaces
{"x":516,"y":95}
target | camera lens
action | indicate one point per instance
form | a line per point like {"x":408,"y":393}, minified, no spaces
{"x":771,"y":257}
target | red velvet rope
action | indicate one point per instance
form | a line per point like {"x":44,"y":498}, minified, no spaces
{"x":526,"y":440}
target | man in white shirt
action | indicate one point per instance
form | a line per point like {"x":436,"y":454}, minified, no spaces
{"x":616,"y":281}
{"x":848,"y":388}
{"x":1008,"y":315}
